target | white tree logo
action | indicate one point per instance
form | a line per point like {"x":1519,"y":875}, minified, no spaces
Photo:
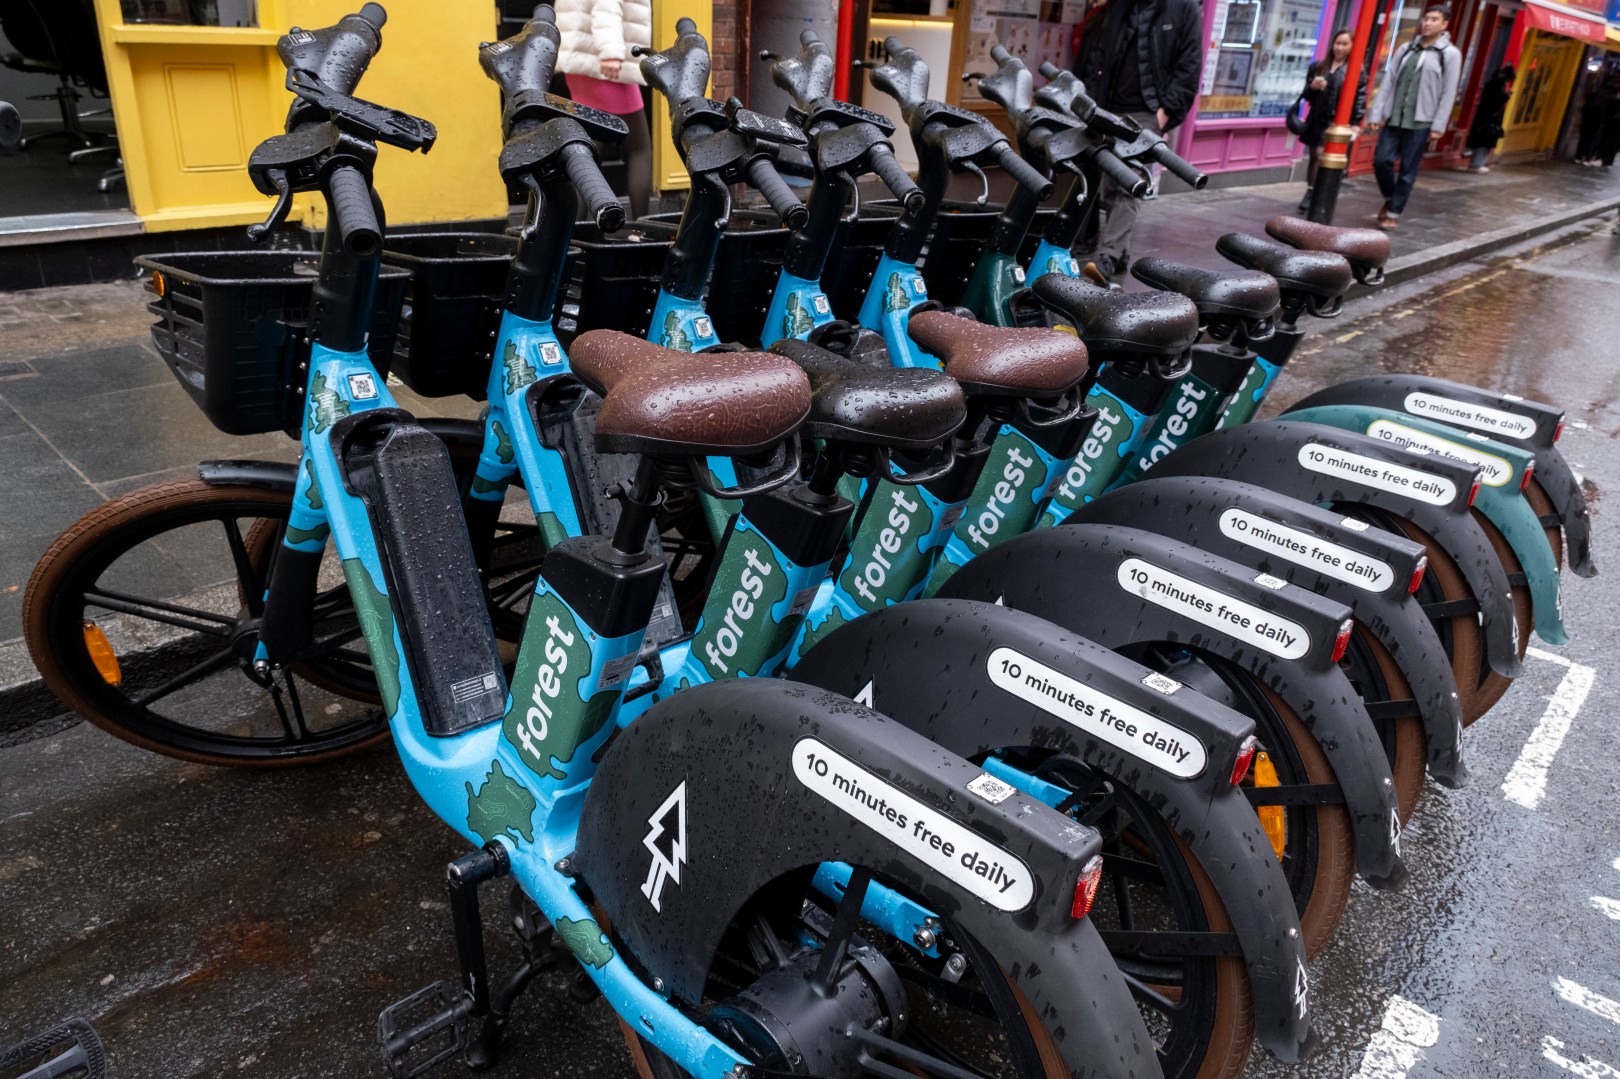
{"x":666,"y":839}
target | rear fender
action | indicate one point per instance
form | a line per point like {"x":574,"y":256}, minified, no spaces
{"x":1320,"y":464}
{"x":1502,"y":468}
{"x":734,"y":771}
{"x":1365,"y":568}
{"x":944,"y":668}
{"x":1502,"y":416}
{"x":1086,"y":580}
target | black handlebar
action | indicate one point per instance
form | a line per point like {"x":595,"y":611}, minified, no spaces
{"x":1010,"y":85}
{"x":903,"y":75}
{"x":1179,"y":166}
{"x":1026,"y":175}
{"x":895,"y":178}
{"x":1135,"y":184}
{"x":808,"y":77}
{"x":523,"y":64}
{"x":594,"y":190}
{"x":354,"y":217}
{"x":680,"y":72}
{"x":765,"y":179}
{"x":339,"y":54}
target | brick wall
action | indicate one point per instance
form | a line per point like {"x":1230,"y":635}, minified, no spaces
{"x":727,"y":45}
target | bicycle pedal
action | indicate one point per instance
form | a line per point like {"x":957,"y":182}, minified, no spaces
{"x":424,"y":1029}
{"x":69,"y":1050}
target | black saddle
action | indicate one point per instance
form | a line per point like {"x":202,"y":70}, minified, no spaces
{"x":1230,"y":294}
{"x":904,"y":408}
{"x":1147,"y":324}
{"x":1320,"y":275}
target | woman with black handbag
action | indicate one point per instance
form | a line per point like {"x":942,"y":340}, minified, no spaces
{"x":1323,"y":81}
{"x":1486,"y":130}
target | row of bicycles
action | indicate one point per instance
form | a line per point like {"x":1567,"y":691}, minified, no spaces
{"x":961,"y":688}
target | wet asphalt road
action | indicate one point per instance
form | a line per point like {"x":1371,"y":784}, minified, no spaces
{"x":211,"y":921}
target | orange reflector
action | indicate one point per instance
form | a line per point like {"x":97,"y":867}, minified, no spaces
{"x":1273,"y":819}
{"x":1245,"y":757}
{"x":101,"y":654}
{"x":160,"y":284}
{"x":1342,"y":641}
{"x":1529,"y":471}
{"x":1085,"y":888}
{"x":1418,"y":571}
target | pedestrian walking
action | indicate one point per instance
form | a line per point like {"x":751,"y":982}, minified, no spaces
{"x":1324,"y":81}
{"x":1142,"y":60}
{"x":1599,"y":115}
{"x":1412,"y":109}
{"x":594,"y":55}
{"x":1486,"y":130}
{"x":1609,"y":140}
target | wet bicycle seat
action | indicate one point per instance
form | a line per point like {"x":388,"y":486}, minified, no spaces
{"x":1140,"y":324}
{"x":1366,"y":249}
{"x":1220,"y":295}
{"x":904,"y":408}
{"x":1000,"y":361}
{"x":662,"y":402}
{"x":1319,"y":276}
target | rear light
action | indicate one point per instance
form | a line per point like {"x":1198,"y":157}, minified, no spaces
{"x":1558,"y":432}
{"x":1085,"y":889}
{"x":1245,"y":757}
{"x":1418,"y":571}
{"x":1529,"y":471}
{"x":102,"y":655}
{"x":1342,"y":641}
{"x":1473,"y":492}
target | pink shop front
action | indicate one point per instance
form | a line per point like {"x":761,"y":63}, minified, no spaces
{"x":1255,"y":56}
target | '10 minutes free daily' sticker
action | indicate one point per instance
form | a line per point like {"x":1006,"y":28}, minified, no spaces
{"x":1303,"y":549}
{"x":951,"y":850}
{"x":1370,"y":472}
{"x":1235,"y":617}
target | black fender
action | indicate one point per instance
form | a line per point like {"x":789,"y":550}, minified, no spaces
{"x":1531,"y":425}
{"x":283,"y":475}
{"x":1272,"y":455}
{"x":739,"y":753}
{"x":941,"y":668}
{"x":1081,"y":578}
{"x":1367,"y":569}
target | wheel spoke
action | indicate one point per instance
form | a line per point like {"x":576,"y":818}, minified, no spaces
{"x":217,"y":662}
{"x":932,"y":1065}
{"x":1145,"y":992}
{"x":252,"y":586}
{"x":156,"y":610}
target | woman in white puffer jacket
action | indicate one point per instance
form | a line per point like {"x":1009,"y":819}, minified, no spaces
{"x":595,"y":58}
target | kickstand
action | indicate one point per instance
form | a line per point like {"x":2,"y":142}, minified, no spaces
{"x":540,"y":953}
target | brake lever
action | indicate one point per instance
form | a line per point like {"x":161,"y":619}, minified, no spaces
{"x":723,"y":190}
{"x":854,"y":190}
{"x":365,"y":119}
{"x":278,"y":214}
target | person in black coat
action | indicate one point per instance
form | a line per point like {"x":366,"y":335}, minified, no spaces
{"x":1486,"y":130}
{"x":1323,"y":83}
{"x":1598,"y":118}
{"x":1142,"y":58}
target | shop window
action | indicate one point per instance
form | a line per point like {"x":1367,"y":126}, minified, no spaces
{"x":191,"y":12}
{"x":1032,"y":30}
{"x":1256,"y":57}
{"x":1531,"y":100}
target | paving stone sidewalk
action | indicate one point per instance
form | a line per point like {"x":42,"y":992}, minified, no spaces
{"x":88,"y":411}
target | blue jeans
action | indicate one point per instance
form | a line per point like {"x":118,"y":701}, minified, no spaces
{"x":1398,"y":148}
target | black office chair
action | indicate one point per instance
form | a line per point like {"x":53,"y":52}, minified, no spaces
{"x":59,"y":37}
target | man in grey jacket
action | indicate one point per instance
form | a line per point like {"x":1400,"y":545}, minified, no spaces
{"x":1412,"y":109}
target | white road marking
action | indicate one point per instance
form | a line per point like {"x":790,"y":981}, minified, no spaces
{"x":1586,"y":1067}
{"x":1526,"y":782}
{"x":1582,"y":997}
{"x":1399,"y":1043}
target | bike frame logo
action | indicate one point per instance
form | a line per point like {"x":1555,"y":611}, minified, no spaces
{"x":666,"y":841}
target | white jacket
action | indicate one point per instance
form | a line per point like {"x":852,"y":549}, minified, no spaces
{"x":596,"y":30}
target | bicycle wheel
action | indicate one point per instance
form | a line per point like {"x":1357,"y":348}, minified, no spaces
{"x":1491,"y":684}
{"x":1377,"y":678}
{"x":143,"y":619}
{"x":1314,"y":844}
{"x":956,"y":1015}
{"x":1543,"y":506}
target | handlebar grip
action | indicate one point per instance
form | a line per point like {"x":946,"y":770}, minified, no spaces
{"x":1049,"y":70}
{"x":888,"y":169}
{"x":1134,"y":183}
{"x":999,"y":54}
{"x":353,"y":214}
{"x":600,"y":201}
{"x":684,"y":25}
{"x":767,"y":182}
{"x":1179,"y":166}
{"x":1026,"y":175}
{"x":374,"y":14}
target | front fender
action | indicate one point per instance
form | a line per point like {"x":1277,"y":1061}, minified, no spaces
{"x":1364,"y":568}
{"x":941,"y":667}
{"x":1084,"y":580}
{"x":1503,"y":416}
{"x":732,"y":769}
{"x":1502,"y":475}
{"x":1320,"y":464}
